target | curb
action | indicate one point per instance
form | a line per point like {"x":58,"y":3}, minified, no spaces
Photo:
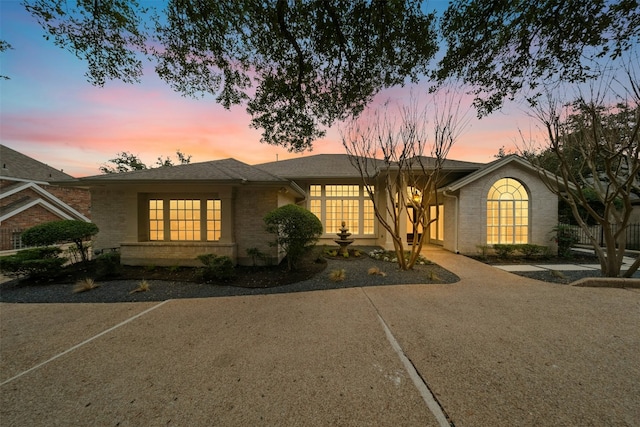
{"x":607,"y":282}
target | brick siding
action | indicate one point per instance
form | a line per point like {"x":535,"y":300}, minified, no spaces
{"x":250,"y":207}
{"x":77,"y":198}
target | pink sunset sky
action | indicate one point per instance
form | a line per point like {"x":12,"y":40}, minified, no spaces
{"x":51,"y":113}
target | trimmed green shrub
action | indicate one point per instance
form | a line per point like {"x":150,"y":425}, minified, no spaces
{"x":504,"y":251}
{"x":108,"y":264}
{"x":217,"y":268}
{"x":34,"y":263}
{"x":257,"y":255}
{"x":64,"y":231}
{"x":483,"y":250}
{"x":565,"y":236}
{"x":297,"y":230}
{"x":530,"y":250}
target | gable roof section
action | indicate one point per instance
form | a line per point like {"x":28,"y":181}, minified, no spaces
{"x":47,"y":201}
{"x":226,"y":171}
{"x":17,"y":166}
{"x":495,"y":165}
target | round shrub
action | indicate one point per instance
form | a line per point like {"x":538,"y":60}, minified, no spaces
{"x":297,"y":230}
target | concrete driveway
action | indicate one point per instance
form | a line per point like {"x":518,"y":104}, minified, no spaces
{"x":494,"y":349}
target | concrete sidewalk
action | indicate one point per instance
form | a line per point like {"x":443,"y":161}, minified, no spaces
{"x":568,"y":266}
{"x":494,"y":349}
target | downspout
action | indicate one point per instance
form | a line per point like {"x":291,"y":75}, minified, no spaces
{"x":455,"y":223}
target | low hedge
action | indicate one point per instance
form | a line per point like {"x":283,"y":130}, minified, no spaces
{"x":528,"y":250}
{"x":36,"y":262}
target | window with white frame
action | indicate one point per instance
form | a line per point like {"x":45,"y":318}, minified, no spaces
{"x":334,"y":204}
{"x":184,"y":219}
{"x":507,"y":213}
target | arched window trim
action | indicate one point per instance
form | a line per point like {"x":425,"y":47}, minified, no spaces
{"x":507,"y":212}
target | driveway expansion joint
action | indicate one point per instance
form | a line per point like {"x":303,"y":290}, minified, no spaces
{"x":423,"y":388}
{"x":77,"y":346}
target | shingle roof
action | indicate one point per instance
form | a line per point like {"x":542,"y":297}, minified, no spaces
{"x":452,"y":165}
{"x":339,"y":166}
{"x":18,"y":166}
{"x":316,"y":166}
{"x":225,"y":170}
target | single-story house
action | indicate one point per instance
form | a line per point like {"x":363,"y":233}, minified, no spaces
{"x":27,"y":197}
{"x":170,"y":215}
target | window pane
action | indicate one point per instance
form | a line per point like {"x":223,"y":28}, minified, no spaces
{"x":316,"y":208}
{"x":156,"y":222}
{"x":368,"y":217}
{"x":184,"y":219}
{"x":339,"y":211}
{"x":342,"y":190}
{"x":507,"y":212}
{"x":213,"y":219}
{"x":333,"y":204}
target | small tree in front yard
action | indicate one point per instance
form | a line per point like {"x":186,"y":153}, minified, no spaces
{"x":296,"y":229}
{"x":65,"y":231}
{"x":594,"y":143}
{"x":412,"y":180}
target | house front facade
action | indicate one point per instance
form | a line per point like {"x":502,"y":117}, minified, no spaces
{"x":170,"y":215}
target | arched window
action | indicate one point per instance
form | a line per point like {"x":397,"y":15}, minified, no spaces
{"x":507,"y":213}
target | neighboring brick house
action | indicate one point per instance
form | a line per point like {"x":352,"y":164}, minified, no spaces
{"x":27,"y":198}
{"x":169,"y":215}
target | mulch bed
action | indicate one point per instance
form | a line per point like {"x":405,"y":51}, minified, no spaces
{"x":172,"y":283}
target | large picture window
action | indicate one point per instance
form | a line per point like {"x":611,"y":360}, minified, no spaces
{"x":184,"y":219}
{"x":333,"y":204}
{"x":507,"y":213}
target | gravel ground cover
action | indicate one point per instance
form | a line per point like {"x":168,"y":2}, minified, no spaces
{"x":564,"y":277}
{"x":355,"y":275}
{"x":551,"y":274}
{"x":314,"y":277}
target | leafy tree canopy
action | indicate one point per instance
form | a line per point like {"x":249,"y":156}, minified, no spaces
{"x":503,"y":47}
{"x":297,"y":65}
{"x":4,"y":46}
{"x":127,"y":162}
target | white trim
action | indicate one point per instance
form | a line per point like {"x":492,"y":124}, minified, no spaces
{"x":487,"y":170}
{"x":33,"y":203}
{"x":62,"y":205}
{"x":491,"y":167}
{"x":10,"y":178}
